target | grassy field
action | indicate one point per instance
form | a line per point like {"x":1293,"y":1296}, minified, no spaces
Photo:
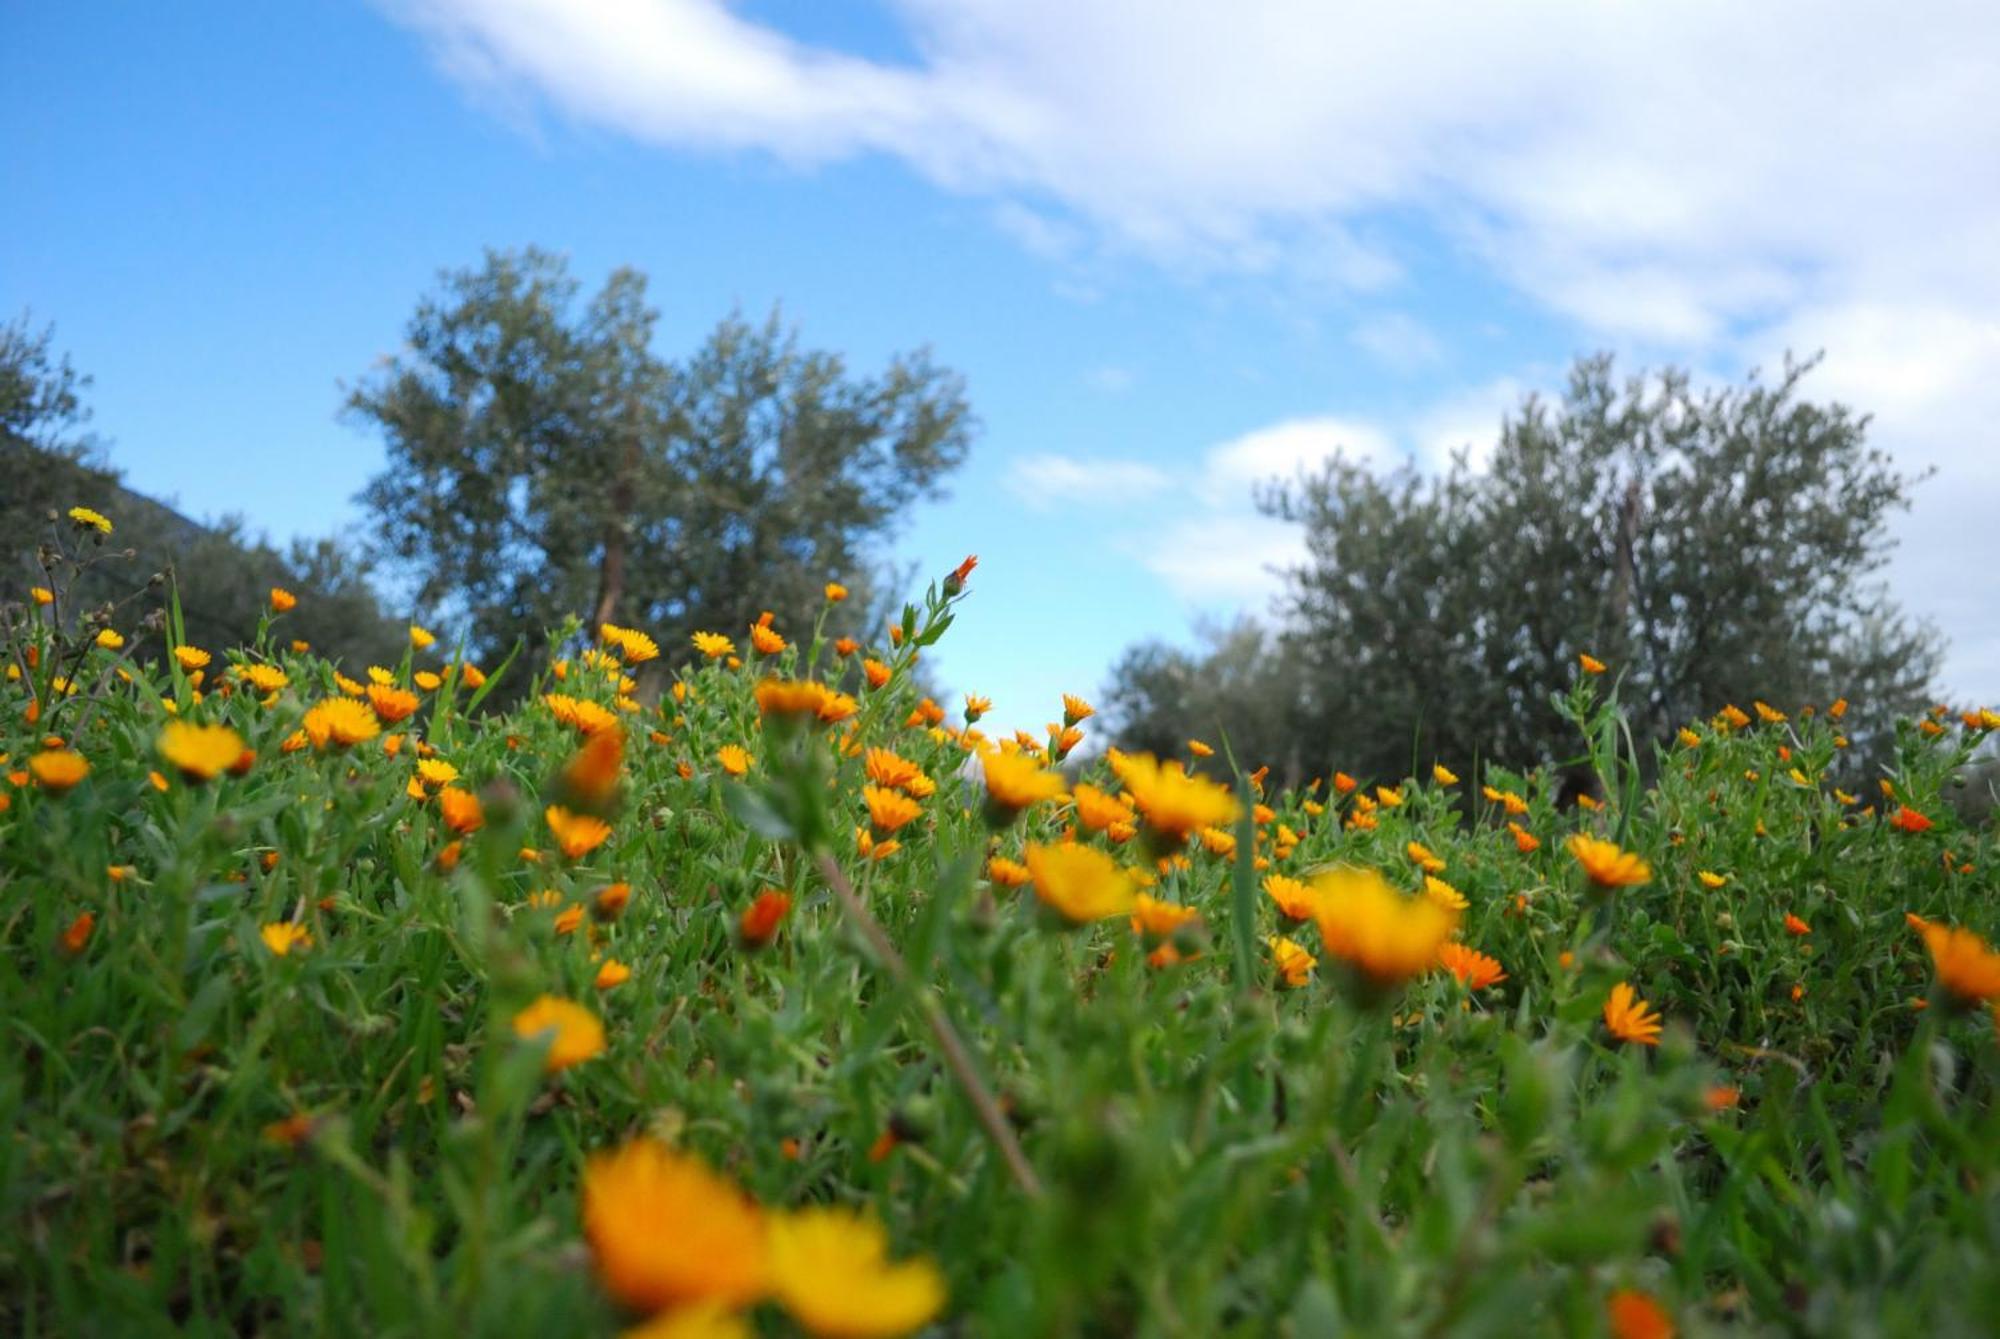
{"x":795,"y":1003}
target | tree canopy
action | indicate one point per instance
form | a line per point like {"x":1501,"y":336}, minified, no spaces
{"x":1712,"y":546}
{"x":545,"y":462}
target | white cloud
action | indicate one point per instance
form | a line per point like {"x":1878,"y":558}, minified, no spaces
{"x":1231,"y":470}
{"x":1046,"y":482}
{"x":1221,"y":557}
{"x":1467,"y":421}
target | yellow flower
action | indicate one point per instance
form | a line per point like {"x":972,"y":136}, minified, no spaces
{"x":1014,"y":780}
{"x":612,"y":973}
{"x":110,"y":640}
{"x":835,"y":592}
{"x":264,"y":678}
{"x":889,"y":810}
{"x":766,"y":639}
{"x":713,"y":645}
{"x":665,"y":1231}
{"x":1473,"y":968}
{"x":1443,"y":775}
{"x":1384,"y":935}
{"x":1425,"y":858}
{"x":1966,"y":965}
{"x":200,"y":752}
{"x":1589,"y":664}
{"x":704,"y":1320}
{"x":1172,"y":802}
{"x":57,"y":770}
{"x":1296,"y":901}
{"x":191,"y":658}
{"x":421,"y":637}
{"x":428,"y":681}
{"x":340,"y":721}
{"x":1710,"y":879}
{"x":1076,"y":709}
{"x":1097,"y":810}
{"x":436,"y":772}
{"x":281,"y":937}
{"x":86,"y":519}
{"x":1767,"y":713}
{"x":1007,"y":873}
{"x":830,"y":1269}
{"x":735,"y":759}
{"x":1199,"y":749}
{"x":392,"y":704}
{"x":576,"y":834}
{"x":1689,"y":739}
{"x":42,"y":594}
{"x":1081,"y":883}
{"x":572,"y":1032}
{"x":1295,"y":965}
{"x":1442,"y":893}
{"x":1155,"y":919}
{"x":1607,"y":865}
{"x":1630,"y":1018}
{"x":282,"y":600}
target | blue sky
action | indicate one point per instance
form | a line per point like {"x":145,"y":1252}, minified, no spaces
{"x":1170,"y":258}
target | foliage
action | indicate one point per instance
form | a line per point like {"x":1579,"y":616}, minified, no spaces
{"x":1716,"y":545}
{"x":1090,"y":1131}
{"x":544,"y":463}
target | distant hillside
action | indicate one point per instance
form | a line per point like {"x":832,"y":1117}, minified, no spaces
{"x":224,"y":574}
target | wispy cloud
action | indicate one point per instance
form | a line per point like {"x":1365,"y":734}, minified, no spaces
{"x":1046,"y":482}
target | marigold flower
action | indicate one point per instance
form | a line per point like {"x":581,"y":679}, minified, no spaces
{"x":1442,"y":893}
{"x":1689,"y":739}
{"x":86,"y":519}
{"x":1172,"y":802}
{"x":735,"y":759}
{"x":1525,"y":841}
{"x":200,"y":752}
{"x":1909,"y":820}
{"x":1295,"y":965}
{"x":264,"y":678}
{"x":191,"y":658}
{"x":282,"y":601}
{"x":1080,"y":883}
{"x":1474,"y":969}
{"x":1097,"y":810}
{"x":572,"y":1032}
{"x":1344,"y":783}
{"x":1966,"y":965}
{"x":704,"y":1320}
{"x":1608,"y":866}
{"x":421,"y":638}
{"x":76,"y":936}
{"x":42,"y":595}
{"x":576,"y":834}
{"x":392,"y":704}
{"x":1710,"y":879}
{"x":1007,"y":873}
{"x":1590,"y":664}
{"x":1443,"y":775}
{"x":340,"y":722}
{"x":58,"y":770}
{"x":1721,"y":1097}
{"x":665,"y":1231}
{"x":830,"y":1269}
{"x":761,"y":919}
{"x":1384,"y":935}
{"x":889,"y":810}
{"x":1296,"y":901}
{"x":110,"y":640}
{"x":1156,"y":920}
{"x":1425,"y":858}
{"x":1014,"y":781}
{"x":766,"y":639}
{"x":590,"y":777}
{"x":1732,"y":717}
{"x":1796,"y":926}
{"x":1634,"y":1315}
{"x":1630,"y":1018}
{"x":1767,"y":713}
{"x":713,"y":645}
{"x":1199,"y":749}
{"x":954,"y":582}
{"x":281,"y":937}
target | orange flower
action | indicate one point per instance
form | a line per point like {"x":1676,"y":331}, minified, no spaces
{"x":576,"y":834}
{"x":735,"y":759}
{"x":78,"y":934}
{"x":1007,"y":873}
{"x":572,"y":1032}
{"x":1155,"y":920}
{"x":611,"y":973}
{"x":763,"y":917}
{"x":766,"y":640}
{"x":955,"y":582}
{"x":1475,"y":969}
{"x":1607,"y":865}
{"x":1590,"y":664}
{"x":1796,"y":926}
{"x":889,"y":810}
{"x":1015,"y":781}
{"x":1630,"y":1018}
{"x":1295,"y":965}
{"x":665,"y":1231}
{"x":1909,"y":820}
{"x":1634,"y":1315}
{"x":58,"y":770}
{"x":1525,"y":841}
{"x":282,"y":600}
{"x":200,"y":752}
{"x":391,"y":704}
{"x":876,"y":672}
{"x":461,"y":810}
{"x":590,"y":778}
{"x":1966,"y":966}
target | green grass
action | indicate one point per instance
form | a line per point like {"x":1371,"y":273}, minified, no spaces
{"x":1214,"y":1155}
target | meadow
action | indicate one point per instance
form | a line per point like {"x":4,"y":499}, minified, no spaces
{"x":770,"y":996}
